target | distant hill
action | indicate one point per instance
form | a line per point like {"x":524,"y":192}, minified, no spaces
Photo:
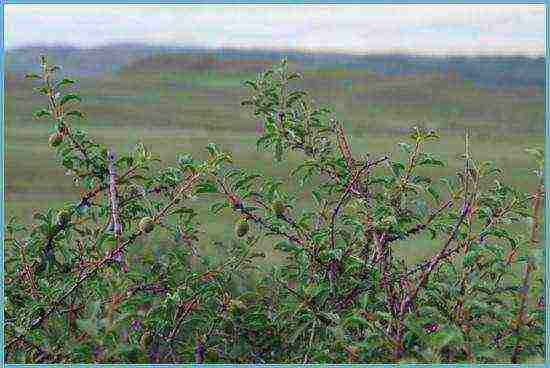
{"x":487,"y":71}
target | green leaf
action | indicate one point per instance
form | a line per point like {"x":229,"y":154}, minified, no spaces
{"x":286,"y":246}
{"x":32,"y":76}
{"x":64,"y":82}
{"x":88,"y":326}
{"x":242,"y":183}
{"x":69,"y":97}
{"x":355,"y":320}
{"x":206,"y":187}
{"x":405,"y":147}
{"x":217,"y":207}
{"x":183,"y":210}
{"x":432,"y":134}
{"x":427,"y":159}
{"x":213,"y":149}
{"x":43,"y":90}
{"x":444,"y":337}
{"x":294,"y":76}
{"x":317,"y":196}
{"x":76,"y":113}
{"x":94,"y":309}
{"x":250,"y":84}
{"x":222,"y":158}
{"x":484,"y":352}
{"x":470,"y":257}
{"x":42,"y":113}
{"x":333,"y":317}
{"x":537,"y":154}
{"x":433,"y":193}
{"x":298,"y":332}
{"x":397,"y":168}
{"x":312,"y":290}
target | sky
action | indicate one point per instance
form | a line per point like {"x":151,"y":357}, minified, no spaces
{"x":421,"y":29}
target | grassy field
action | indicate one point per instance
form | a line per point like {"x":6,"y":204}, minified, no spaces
{"x":176,"y":107}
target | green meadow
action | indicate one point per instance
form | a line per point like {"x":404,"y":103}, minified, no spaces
{"x":178,"y":107}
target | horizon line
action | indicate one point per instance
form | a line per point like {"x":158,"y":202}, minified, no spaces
{"x":305,"y":50}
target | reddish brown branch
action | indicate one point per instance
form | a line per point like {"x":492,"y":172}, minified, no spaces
{"x":434,"y":261}
{"x":527,"y":269}
{"x":524,"y":293}
{"x":537,"y":199}
{"x":117,"y":227}
{"x":343,"y":145}
{"x":349,"y":185}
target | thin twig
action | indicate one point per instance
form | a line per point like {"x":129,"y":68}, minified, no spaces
{"x":343,"y":145}
{"x":527,"y":268}
{"x":352,"y":180}
{"x":440,"y":255}
{"x":113,"y":200}
{"x":523,"y":296}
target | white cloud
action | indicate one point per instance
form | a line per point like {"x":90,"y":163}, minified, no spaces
{"x":356,"y":28}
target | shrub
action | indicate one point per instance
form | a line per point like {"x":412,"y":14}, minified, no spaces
{"x":83,"y":285}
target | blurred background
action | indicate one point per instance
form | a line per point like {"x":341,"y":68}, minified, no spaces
{"x":171,"y":76}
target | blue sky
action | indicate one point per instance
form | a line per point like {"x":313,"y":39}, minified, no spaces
{"x":433,"y":29}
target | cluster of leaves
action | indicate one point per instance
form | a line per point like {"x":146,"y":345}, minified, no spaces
{"x":81,"y":287}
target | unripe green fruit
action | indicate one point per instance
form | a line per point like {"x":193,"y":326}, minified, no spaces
{"x":63,"y":217}
{"x":146,"y":224}
{"x":279,"y":208}
{"x":55,"y":139}
{"x":241,"y":228}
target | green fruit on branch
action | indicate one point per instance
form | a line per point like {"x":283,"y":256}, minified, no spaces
{"x":241,"y":227}
{"x":55,"y":139}
{"x":146,"y":224}
{"x":279,"y":208}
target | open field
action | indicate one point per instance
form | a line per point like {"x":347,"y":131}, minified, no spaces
{"x":175,"y":106}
